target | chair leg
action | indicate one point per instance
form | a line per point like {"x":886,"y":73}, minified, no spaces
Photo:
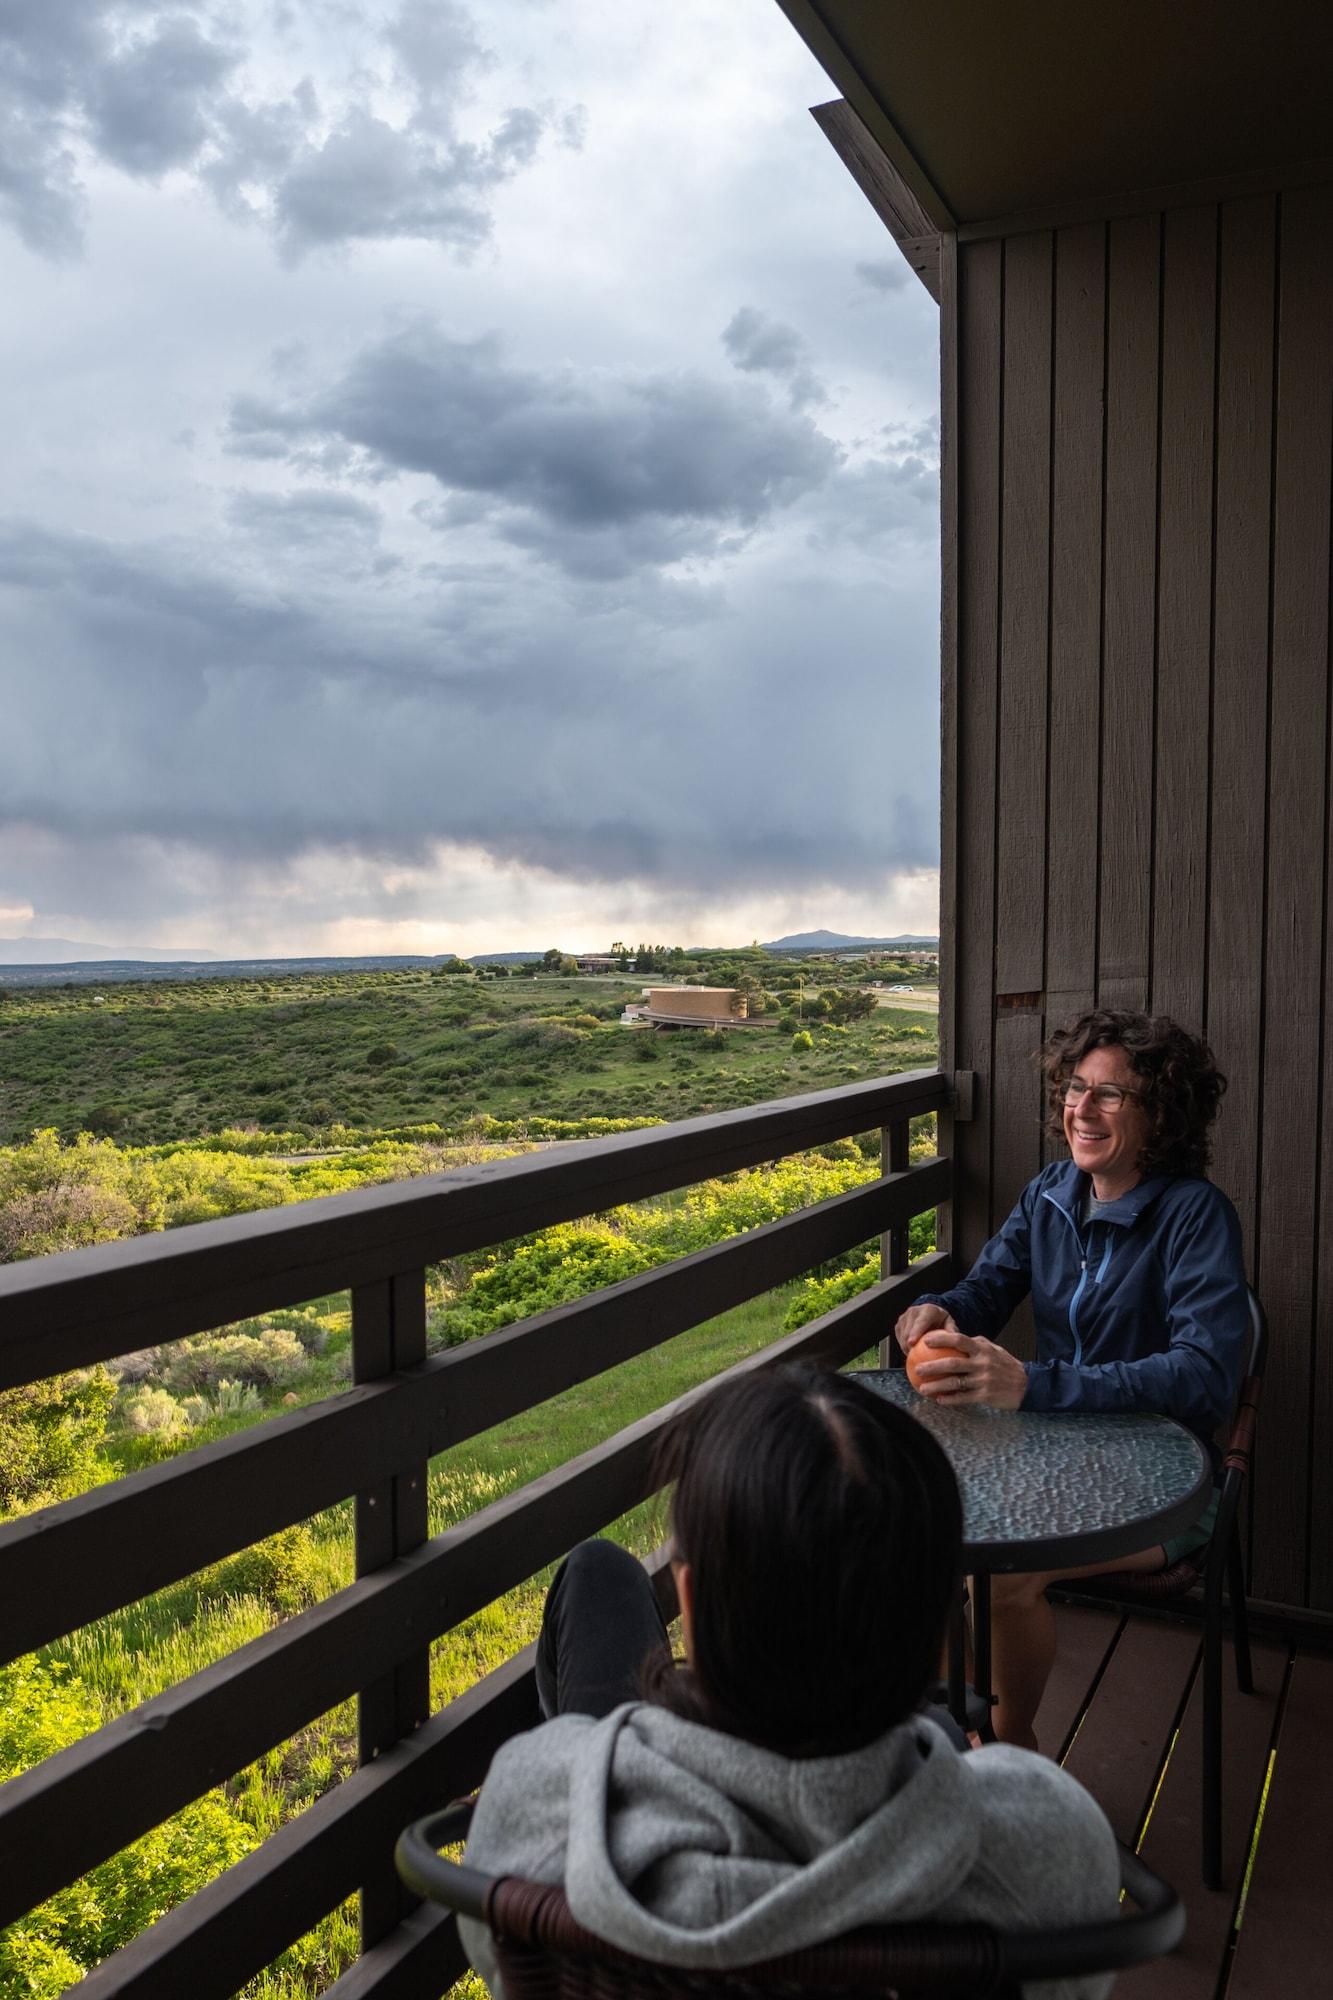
{"x":1212,"y":1726}
{"x":981,"y":1668}
{"x":1240,"y":1618}
{"x":957,"y":1665}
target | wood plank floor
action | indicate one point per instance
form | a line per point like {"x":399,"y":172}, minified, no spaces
{"x":1122,"y":1714}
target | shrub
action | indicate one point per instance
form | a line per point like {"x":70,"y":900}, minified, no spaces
{"x":820,"y":1295}
{"x":542,"y":1271}
{"x":49,"y":1435}
{"x":197,"y":1184}
{"x":381,"y":1055}
{"x":283,"y":1571}
{"x":803,"y":1039}
{"x":271,"y":1355}
{"x":153,"y":1410}
{"x":234,"y":1399}
{"x":645,"y":1047}
{"x":59,"y":1197}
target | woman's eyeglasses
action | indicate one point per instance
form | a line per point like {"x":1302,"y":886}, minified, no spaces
{"x":1106,"y":1096}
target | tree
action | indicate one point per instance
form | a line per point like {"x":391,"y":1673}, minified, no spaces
{"x":551,"y":959}
{"x":748,"y":996}
{"x":849,"y":1003}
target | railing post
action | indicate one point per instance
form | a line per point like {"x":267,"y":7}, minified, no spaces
{"x":389,"y":1333}
{"x":895,"y":1141}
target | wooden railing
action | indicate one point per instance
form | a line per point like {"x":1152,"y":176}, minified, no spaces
{"x":68,"y":1564}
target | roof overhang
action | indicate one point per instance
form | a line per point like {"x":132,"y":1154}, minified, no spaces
{"x":991,"y":110}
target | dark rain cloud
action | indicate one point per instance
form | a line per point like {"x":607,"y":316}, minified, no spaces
{"x":762,"y":345}
{"x":597,"y":472}
{"x":598,"y":744}
{"x":149,"y":88}
{"x":148,"y":106}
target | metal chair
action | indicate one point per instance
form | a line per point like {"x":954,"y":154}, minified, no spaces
{"x":1220,"y":1562}
{"x":543,"y":1954}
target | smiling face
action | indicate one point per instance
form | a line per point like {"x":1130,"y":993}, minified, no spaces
{"x":1106,"y":1143}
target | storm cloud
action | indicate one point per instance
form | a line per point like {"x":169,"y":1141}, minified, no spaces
{"x":522,"y":727}
{"x":762,"y":345}
{"x":355,"y":596}
{"x":597,"y":472}
{"x":149,"y":89}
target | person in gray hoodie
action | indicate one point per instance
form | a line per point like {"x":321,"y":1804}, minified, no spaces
{"x":781,"y":1784}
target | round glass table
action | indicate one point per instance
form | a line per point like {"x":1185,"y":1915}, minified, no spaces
{"x":1052,"y":1492}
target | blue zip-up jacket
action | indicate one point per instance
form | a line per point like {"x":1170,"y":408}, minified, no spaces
{"x":1143,"y":1309}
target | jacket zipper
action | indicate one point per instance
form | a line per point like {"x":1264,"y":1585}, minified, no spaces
{"x":1082,"y":1273}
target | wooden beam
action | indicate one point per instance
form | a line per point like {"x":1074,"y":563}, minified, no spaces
{"x":81,"y":1306}
{"x":884,"y":188}
{"x":66,"y":1565}
{"x":88,"y":1801}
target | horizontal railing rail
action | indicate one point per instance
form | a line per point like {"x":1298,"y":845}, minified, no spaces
{"x":82,"y":1306}
{"x":65,"y":1565}
{"x":284,"y":1887}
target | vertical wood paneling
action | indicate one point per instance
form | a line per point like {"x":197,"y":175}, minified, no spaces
{"x":1293,"y":967}
{"x":1184,"y":613}
{"x":977,"y":448}
{"x":1319,"y":217}
{"x":1321,"y":1391}
{"x":1076,"y":617}
{"x":1160,"y":557}
{"x":1128,"y":638}
{"x":1240,"y":687}
{"x":1023,"y":697}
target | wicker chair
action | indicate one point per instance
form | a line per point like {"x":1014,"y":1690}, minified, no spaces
{"x":1218,"y":1563}
{"x":543,"y":1954}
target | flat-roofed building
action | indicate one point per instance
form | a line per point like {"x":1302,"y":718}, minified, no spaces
{"x":696,"y":1007}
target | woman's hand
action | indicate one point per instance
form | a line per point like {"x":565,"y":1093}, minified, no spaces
{"x":969,"y":1371}
{"x":920,"y":1320}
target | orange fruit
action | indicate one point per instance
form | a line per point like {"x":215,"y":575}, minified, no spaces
{"x":917,"y":1355}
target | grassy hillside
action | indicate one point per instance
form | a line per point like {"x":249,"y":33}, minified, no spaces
{"x":315,"y":1064}
{"x":148,"y":1064}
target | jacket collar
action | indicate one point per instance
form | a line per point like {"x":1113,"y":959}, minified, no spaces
{"x":1069,"y":1186}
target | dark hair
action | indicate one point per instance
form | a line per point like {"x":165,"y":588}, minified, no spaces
{"x":823,"y":1529}
{"x":1180,"y":1082}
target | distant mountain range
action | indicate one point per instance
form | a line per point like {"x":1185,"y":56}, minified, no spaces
{"x":64,"y":951}
{"x":835,"y":941}
{"x":103,"y":971}
{"x":46,"y":961}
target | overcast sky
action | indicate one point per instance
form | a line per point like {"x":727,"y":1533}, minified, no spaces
{"x":470,"y":480}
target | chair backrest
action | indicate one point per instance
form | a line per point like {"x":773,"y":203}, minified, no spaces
{"x":545,"y":1954}
{"x":1258,"y":1336}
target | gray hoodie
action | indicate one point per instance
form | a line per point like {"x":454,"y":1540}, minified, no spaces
{"x":689,"y":1847}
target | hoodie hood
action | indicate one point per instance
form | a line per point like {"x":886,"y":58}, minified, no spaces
{"x":690,"y":1847}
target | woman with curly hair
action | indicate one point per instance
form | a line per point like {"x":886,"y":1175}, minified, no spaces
{"x":1133,"y":1260}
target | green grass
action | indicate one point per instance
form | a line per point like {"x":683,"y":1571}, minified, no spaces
{"x":151,"y":1064}
{"x":155,"y":1065}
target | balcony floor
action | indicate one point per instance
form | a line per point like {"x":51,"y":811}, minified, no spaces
{"x":1123,"y":1708}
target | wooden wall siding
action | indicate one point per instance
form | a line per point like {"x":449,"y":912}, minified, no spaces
{"x":1138,"y":578}
{"x":1129,"y":594}
{"x":1289,"y":1189}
